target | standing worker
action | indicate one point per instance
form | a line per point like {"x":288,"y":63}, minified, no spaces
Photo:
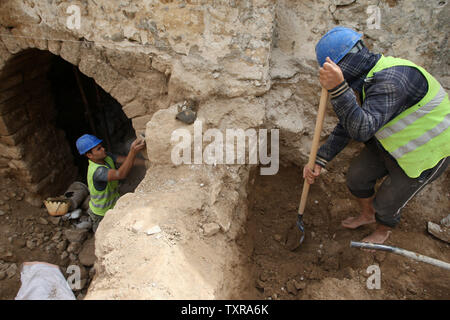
{"x":403,"y":121}
{"x":102,"y":175}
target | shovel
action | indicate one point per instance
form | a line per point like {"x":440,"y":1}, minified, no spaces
{"x":296,"y":234}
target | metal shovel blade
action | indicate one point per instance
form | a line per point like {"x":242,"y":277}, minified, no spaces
{"x":296,"y":234}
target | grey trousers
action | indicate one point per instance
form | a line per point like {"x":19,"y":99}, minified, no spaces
{"x":95,"y":219}
{"x":396,"y":190}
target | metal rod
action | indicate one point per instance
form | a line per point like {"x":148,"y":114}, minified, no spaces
{"x":403,"y":252}
{"x":102,"y":108}
{"x":85,"y":101}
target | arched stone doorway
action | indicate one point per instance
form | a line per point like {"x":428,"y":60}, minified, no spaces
{"x":46,"y":103}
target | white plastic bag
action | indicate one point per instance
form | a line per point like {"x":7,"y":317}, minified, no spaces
{"x":43,"y":281}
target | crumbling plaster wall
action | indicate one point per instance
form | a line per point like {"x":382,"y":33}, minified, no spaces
{"x":250,"y":64}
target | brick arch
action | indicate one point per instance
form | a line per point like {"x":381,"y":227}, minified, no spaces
{"x":140,"y":92}
{"x":34,"y":152}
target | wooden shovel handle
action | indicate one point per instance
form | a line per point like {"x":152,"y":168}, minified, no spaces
{"x":314,"y":147}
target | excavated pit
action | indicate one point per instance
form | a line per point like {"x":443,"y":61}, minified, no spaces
{"x":325,"y":267}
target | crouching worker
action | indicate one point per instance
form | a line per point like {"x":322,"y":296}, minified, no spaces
{"x":102,"y":175}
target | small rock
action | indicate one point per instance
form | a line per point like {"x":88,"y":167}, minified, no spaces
{"x":412,"y":290}
{"x":12,"y":270}
{"x":62,"y":245}
{"x":50,"y":247}
{"x":19,"y":242}
{"x":72,"y":257}
{"x":74,"y":247}
{"x":2,"y":212}
{"x":299,"y":285}
{"x":64,"y":255}
{"x":31,"y":244}
{"x":87,"y":254}
{"x":85,"y":218}
{"x":259,"y":284}
{"x":2,"y":275}
{"x":91,"y":272}
{"x":291,"y":287}
{"x":57,"y":236}
{"x":75,"y":214}
{"x":153,"y":230}
{"x":446,"y":221}
{"x":84,"y":225}
{"x":264,"y":276}
{"x":8,"y":256}
{"x":210,"y":229}
{"x":76,"y":235}
{"x":55,"y":220}
{"x":42,"y":221}
{"x":277,"y":237}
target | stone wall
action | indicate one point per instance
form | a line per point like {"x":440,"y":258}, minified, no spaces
{"x":249,"y":64}
{"x":34,"y":151}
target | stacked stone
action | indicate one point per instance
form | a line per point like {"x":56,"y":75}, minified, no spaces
{"x":33,"y":151}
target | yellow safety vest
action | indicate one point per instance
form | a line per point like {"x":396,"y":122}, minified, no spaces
{"x":102,"y":201}
{"x":419,"y":137}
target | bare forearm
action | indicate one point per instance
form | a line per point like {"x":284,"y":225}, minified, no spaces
{"x":126,"y":165}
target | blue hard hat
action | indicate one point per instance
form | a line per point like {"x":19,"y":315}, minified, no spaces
{"x":335,"y":44}
{"x":86,"y":142}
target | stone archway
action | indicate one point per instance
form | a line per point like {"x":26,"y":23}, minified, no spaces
{"x":128,"y":77}
{"x":36,"y":153}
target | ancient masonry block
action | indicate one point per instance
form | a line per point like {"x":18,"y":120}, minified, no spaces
{"x":124,"y":92}
{"x":70,"y":51}
{"x":139,"y":123}
{"x":135,"y":109}
{"x":104,"y":75}
{"x":54,"y":47}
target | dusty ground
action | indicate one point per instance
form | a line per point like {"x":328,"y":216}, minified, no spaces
{"x":325,"y":267}
{"x":29,"y":233}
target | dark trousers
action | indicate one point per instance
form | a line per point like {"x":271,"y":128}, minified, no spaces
{"x":96,"y":219}
{"x":397,"y":189}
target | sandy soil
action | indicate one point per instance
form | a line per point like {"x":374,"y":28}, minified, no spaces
{"x":325,"y":267}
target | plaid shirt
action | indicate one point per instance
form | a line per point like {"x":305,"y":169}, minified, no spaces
{"x":388,"y":93}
